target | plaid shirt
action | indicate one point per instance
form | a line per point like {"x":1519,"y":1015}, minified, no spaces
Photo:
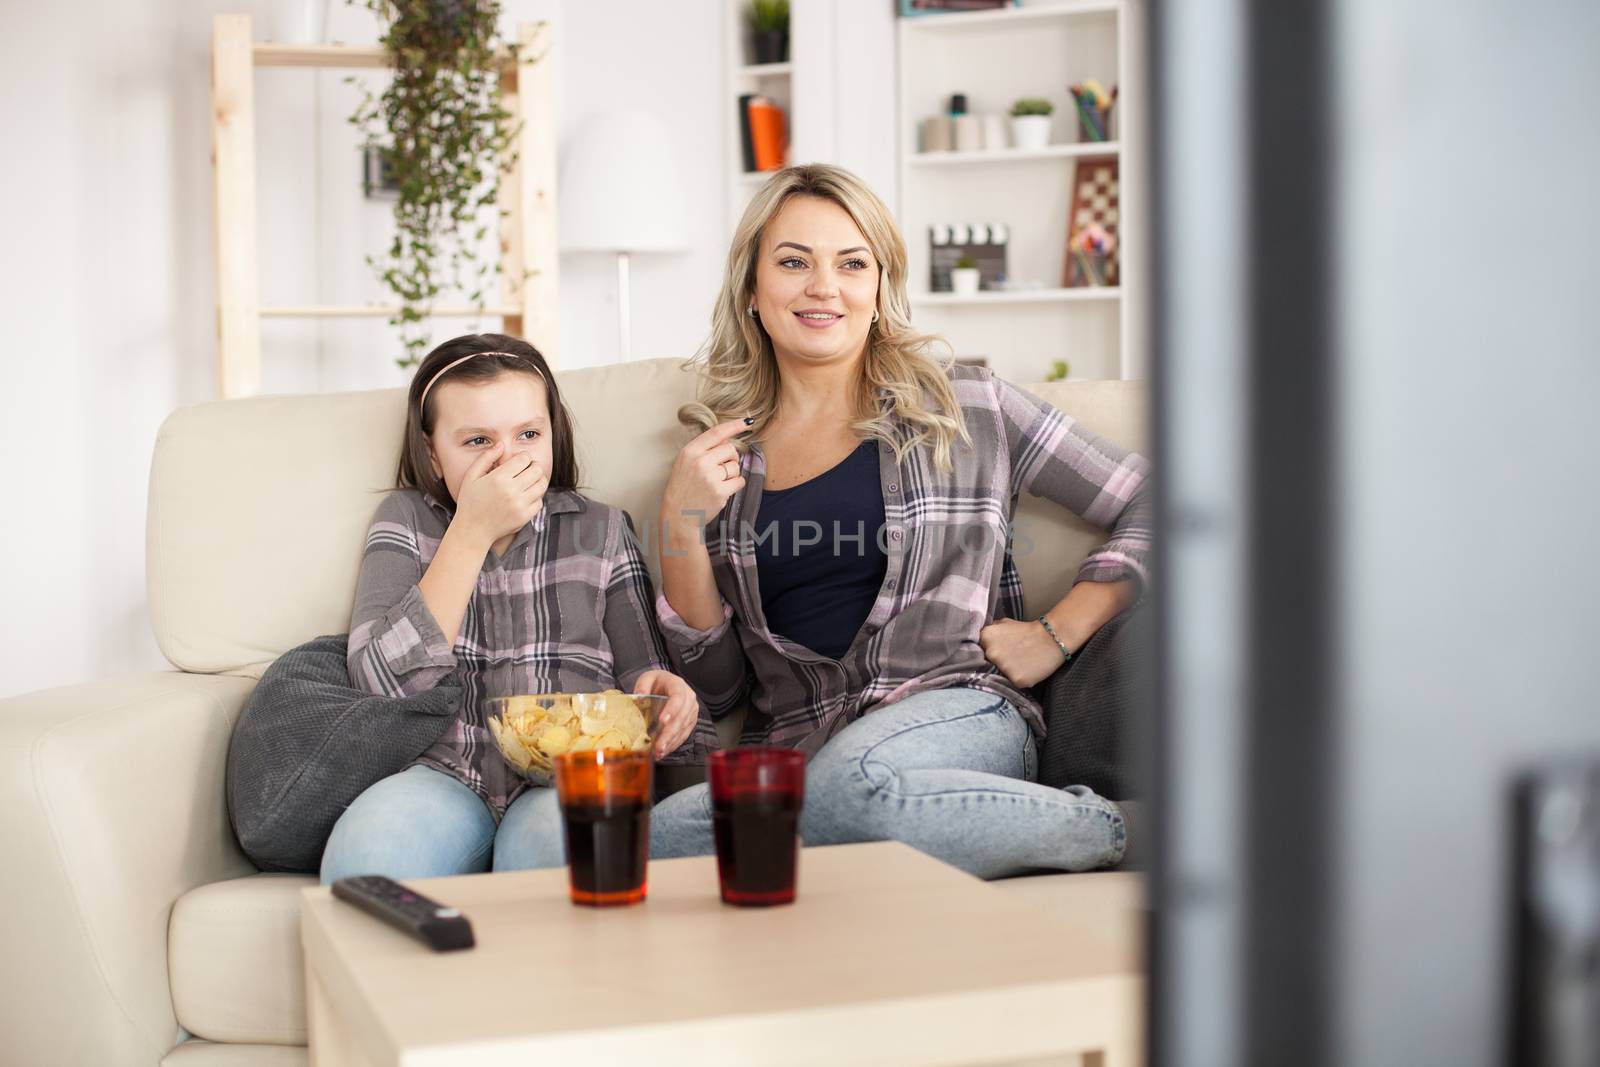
{"x":950,"y":572}
{"x":566,"y":609}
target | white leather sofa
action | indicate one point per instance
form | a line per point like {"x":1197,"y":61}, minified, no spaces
{"x":132,"y":920}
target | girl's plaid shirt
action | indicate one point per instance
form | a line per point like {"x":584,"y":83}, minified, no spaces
{"x":566,"y":609}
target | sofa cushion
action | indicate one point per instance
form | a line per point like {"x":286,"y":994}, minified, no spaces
{"x":196,"y":1053}
{"x":309,"y":741}
{"x":233,"y":951}
{"x":1092,"y":710}
{"x":1050,"y":541}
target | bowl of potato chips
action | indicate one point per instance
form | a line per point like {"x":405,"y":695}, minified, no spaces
{"x":531,"y":731}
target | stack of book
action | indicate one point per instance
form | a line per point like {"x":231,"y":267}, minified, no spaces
{"x":765,"y":134}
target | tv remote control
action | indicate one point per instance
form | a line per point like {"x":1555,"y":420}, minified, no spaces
{"x":439,"y":927}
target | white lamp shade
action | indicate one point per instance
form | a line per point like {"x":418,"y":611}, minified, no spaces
{"x":620,"y":190}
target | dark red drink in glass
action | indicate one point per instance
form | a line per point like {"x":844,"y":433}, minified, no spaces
{"x":605,"y":814}
{"x":756,"y":797}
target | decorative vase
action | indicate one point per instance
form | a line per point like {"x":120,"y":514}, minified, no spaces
{"x":969,"y":133}
{"x":994,"y":133}
{"x":964,"y":281}
{"x":1030,"y":132}
{"x":772,"y":46}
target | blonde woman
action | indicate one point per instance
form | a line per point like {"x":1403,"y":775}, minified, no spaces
{"x":835,"y":551}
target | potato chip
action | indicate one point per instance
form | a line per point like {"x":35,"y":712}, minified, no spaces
{"x":555,"y":740}
{"x":611,"y":739}
{"x":631,"y":722}
{"x":595,"y":721}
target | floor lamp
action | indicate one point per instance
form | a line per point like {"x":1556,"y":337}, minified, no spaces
{"x":620,"y":193}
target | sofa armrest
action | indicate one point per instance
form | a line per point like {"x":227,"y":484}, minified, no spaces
{"x":111,"y":807}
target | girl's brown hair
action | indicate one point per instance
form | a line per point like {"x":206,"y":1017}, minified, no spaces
{"x":511,"y":356}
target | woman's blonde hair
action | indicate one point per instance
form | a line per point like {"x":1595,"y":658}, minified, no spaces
{"x":739,"y":373}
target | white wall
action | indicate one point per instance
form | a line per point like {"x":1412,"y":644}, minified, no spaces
{"x":108,"y":277}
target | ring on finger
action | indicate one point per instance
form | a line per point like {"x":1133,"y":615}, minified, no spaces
{"x":727,"y":475}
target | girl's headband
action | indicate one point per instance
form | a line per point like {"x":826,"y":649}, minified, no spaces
{"x":422,"y":404}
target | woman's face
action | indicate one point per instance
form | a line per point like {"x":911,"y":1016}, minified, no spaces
{"x":473,"y":417}
{"x":816,"y":282}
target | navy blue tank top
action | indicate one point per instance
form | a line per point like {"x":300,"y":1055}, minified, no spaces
{"x":820,"y":558}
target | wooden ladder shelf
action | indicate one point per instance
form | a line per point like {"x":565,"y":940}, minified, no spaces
{"x":527,"y":194}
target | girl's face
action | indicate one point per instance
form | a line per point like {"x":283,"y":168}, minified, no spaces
{"x":472,"y":417}
{"x":816,"y":282}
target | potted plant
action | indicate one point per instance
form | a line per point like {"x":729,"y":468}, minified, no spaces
{"x":1030,"y":122}
{"x":443,"y":136}
{"x":769,"y":23}
{"x":964,"y":277}
{"x":1059,"y":371}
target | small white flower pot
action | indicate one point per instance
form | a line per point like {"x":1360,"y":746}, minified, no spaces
{"x":1030,"y":132}
{"x":964,"y":281}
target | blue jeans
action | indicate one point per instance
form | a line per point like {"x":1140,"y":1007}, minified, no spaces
{"x":422,"y":823}
{"x":947,"y":772}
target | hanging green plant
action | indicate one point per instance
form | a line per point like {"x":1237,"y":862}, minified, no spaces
{"x":445,"y":141}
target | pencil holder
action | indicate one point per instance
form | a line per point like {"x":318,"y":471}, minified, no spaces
{"x":1098,"y":130}
{"x":1088,"y":269}
{"x":1094,"y":121}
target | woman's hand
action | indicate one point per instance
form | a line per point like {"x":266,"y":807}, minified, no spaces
{"x":1023,"y":651}
{"x":704,"y":475}
{"x":678,"y":718}
{"x":498,"y":498}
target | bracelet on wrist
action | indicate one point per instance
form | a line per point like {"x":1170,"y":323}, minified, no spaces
{"x":1044,"y":620}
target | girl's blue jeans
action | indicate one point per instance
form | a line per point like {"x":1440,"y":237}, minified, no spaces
{"x":422,"y":823}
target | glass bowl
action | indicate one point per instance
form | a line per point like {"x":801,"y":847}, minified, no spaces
{"x":531,"y":731}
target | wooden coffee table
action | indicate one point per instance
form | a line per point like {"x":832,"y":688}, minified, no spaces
{"x":887,"y":957}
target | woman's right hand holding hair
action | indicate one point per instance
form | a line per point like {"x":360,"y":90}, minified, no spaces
{"x":498,"y":498}
{"x":704,"y":475}
{"x":697,"y":489}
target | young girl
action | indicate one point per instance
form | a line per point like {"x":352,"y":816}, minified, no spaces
{"x":488,"y":563}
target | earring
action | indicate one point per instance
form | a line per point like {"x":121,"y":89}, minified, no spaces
{"x":874,"y":314}
{"x":751,"y":308}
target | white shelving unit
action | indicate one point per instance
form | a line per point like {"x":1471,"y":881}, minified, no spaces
{"x":1022,"y":296}
{"x":1087,"y":150}
{"x":995,"y":57}
{"x":1012,"y":17}
{"x":774,"y":80}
